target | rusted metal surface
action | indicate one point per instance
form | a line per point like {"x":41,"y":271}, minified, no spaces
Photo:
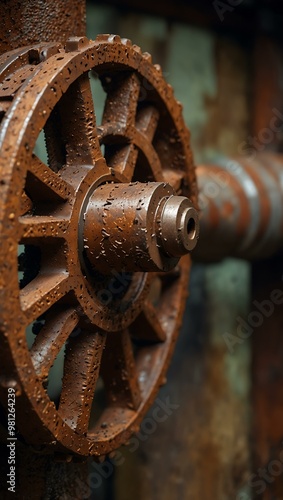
{"x":37,"y":21}
{"x":125,"y":321}
{"x":241,"y":203}
{"x":138,"y":227}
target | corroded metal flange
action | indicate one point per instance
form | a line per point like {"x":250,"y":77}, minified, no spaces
{"x":114,"y":323}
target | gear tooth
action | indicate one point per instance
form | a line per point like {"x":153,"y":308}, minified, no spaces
{"x":137,"y":49}
{"x":76,"y":43}
{"x":102,"y":37}
{"x":112,"y":454}
{"x":147,"y":57}
{"x":158,"y":68}
{"x":180,"y":105}
{"x":126,"y":41}
{"x":101,"y":458}
{"x":46,"y":52}
{"x":114,"y":38}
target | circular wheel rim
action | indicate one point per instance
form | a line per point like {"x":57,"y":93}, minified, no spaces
{"x":60,"y":292}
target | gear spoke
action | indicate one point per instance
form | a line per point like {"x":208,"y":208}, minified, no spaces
{"x":147,"y":326}
{"x":42,"y":292}
{"x":147,"y":121}
{"x":44,"y":184}
{"x":122,"y":100}
{"x":123,"y":161}
{"x":155,"y":290}
{"x":81,"y":371}
{"x":55,"y":147}
{"x":59,"y":324}
{"x":170,"y":276}
{"x":41,"y":226}
{"x":174,"y":178}
{"x":119,"y":371}
{"x":148,"y":165}
{"x":79,"y":123}
{"x":26,"y":204}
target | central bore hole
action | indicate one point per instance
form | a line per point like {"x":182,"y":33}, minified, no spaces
{"x":191,"y":228}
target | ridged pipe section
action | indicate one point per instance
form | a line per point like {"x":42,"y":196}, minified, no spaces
{"x":241,"y":208}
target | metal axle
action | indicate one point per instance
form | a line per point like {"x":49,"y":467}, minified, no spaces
{"x":138,"y":227}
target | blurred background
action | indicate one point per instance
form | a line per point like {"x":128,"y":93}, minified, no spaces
{"x":223,"y":438}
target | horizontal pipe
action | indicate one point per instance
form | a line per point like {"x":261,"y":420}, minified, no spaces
{"x":241,"y":208}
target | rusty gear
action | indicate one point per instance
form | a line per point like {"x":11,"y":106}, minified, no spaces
{"x":117,"y":326}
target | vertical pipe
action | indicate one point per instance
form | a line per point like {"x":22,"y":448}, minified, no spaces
{"x":32,"y":21}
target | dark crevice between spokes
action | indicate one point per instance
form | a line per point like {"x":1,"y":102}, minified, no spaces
{"x":29,"y":262}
